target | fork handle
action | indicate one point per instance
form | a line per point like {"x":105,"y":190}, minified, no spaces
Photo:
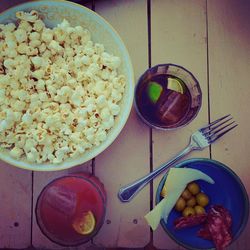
{"x":127,"y":192}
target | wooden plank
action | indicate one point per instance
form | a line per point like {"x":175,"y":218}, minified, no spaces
{"x":178,"y":36}
{"x":229,"y":66}
{"x":15,"y":197}
{"x":5,"y":4}
{"x":15,"y":212}
{"x":128,"y":157}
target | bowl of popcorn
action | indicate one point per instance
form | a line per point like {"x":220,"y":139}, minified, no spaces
{"x":66,"y":85}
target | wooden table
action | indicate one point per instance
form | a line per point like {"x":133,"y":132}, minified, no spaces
{"x":212,"y":40}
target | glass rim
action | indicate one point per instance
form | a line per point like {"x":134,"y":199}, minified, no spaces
{"x":104,"y":203}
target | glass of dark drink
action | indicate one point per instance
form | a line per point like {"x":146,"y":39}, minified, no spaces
{"x":70,"y":210}
{"x":167,"y":96}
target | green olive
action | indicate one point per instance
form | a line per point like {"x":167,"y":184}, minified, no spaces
{"x":180,"y":204}
{"x":193,"y":188}
{"x":191,"y":202}
{"x":188,"y":211}
{"x":199,"y":210}
{"x":186,"y":194}
{"x":202,"y":199}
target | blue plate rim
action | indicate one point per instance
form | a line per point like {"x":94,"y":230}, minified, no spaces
{"x":232,"y":173}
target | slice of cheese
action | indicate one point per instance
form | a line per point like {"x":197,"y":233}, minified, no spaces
{"x":175,"y":183}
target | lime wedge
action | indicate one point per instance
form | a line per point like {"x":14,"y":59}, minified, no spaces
{"x":154,"y":91}
{"x":175,"y":85}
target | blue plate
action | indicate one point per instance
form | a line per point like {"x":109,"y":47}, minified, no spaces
{"x":227,"y":191}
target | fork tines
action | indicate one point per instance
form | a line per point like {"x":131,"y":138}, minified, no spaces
{"x":218,"y":128}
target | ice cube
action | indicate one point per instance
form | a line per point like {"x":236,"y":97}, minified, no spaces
{"x":62,"y":199}
{"x":172,"y":107}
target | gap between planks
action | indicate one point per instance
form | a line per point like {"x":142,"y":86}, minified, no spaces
{"x":151,"y":204}
{"x":208,"y":82}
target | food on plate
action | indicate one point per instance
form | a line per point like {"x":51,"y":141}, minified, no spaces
{"x":186,"y":194}
{"x":60,"y":92}
{"x":85,"y":224}
{"x":199,"y":209}
{"x":216,"y":225}
{"x":192,"y":200}
{"x":176,"y":182}
{"x":189,"y":221}
{"x":188,"y":211}
{"x":202,"y":199}
{"x":193,"y":188}
{"x":180,"y":204}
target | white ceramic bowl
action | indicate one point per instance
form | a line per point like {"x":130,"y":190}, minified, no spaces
{"x":54,"y":12}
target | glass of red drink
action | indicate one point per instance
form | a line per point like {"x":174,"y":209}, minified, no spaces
{"x":167,"y":96}
{"x":70,"y":210}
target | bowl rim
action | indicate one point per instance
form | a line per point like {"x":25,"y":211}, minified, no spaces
{"x":154,"y":125}
{"x":123,"y":118}
{"x":230,"y":172}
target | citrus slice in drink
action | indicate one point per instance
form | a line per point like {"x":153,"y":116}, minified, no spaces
{"x":85,"y":224}
{"x":154,"y":91}
{"x":175,"y":85}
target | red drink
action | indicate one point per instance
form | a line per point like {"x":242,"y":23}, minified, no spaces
{"x":63,"y":205}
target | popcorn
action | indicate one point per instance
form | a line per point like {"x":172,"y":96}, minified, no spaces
{"x":34,"y":36}
{"x":11,"y":44}
{"x":101,"y":101}
{"x":35,"y":43}
{"x":37,"y":61}
{"x":22,"y":48}
{"x":3,"y":125}
{"x":9,"y":63}
{"x":105,"y":114}
{"x":47,"y":35}
{"x":38,"y":25}
{"x":59,"y":91}
{"x":114,"y":109}
{"x":20,"y":35}
{"x":27,"y":16}
{"x":25,"y":26}
{"x":27,"y":118}
{"x":16,"y":152}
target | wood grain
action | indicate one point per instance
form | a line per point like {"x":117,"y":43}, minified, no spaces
{"x":128,"y":157}
{"x":5,"y":4}
{"x":15,"y":211}
{"x":15,"y":196}
{"x":229,"y":67}
{"x":178,"y":36}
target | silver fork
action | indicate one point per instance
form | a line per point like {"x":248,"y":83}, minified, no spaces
{"x":199,"y":140}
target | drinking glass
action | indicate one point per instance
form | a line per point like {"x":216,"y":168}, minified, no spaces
{"x":167,"y":96}
{"x":63,"y":203}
